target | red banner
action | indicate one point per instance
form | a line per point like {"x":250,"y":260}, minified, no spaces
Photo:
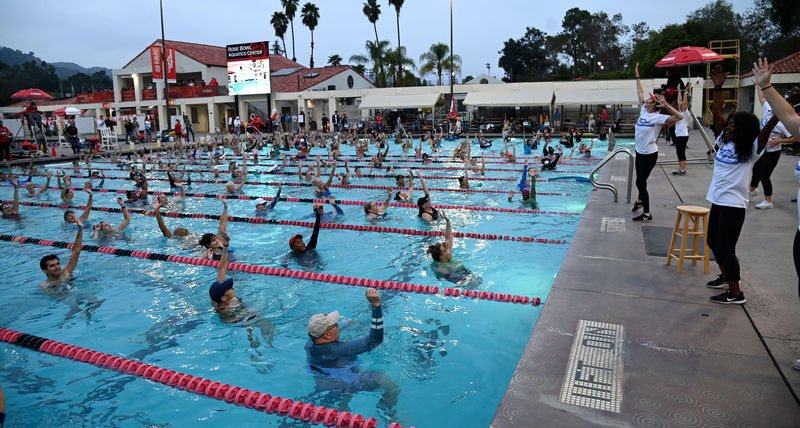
{"x":155,"y":62}
{"x":172,"y":76}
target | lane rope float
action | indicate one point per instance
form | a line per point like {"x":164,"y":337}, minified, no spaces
{"x":286,"y":407}
{"x":453,"y":292}
{"x":309,"y":224}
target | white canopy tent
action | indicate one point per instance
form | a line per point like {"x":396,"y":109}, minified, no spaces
{"x":519,"y":98}
{"x":399,"y":101}
{"x":597,"y":96}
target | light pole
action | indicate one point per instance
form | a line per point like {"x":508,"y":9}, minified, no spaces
{"x":163,"y":61}
{"x":601,"y":66}
{"x":451,"y":50}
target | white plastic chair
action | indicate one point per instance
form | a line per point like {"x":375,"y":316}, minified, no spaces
{"x":108,"y":140}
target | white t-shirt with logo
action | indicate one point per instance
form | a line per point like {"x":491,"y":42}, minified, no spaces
{"x":647,"y":128}
{"x":731,"y":177}
{"x":797,"y":176}
{"x":779,"y":131}
{"x":682,"y":126}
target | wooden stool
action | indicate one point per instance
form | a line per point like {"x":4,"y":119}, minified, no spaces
{"x":696,"y":214}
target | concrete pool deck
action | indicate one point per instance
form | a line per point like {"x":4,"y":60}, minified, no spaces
{"x":682,"y":360}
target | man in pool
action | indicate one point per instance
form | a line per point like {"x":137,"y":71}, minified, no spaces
{"x":213,"y":243}
{"x":296,"y":242}
{"x":335,"y":362}
{"x":179,"y":232}
{"x":11,"y":211}
{"x":261,"y":204}
{"x":51,"y":266}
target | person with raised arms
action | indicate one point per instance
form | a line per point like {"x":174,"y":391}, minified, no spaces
{"x":213,"y":243}
{"x":445,"y":266}
{"x":373,"y":212}
{"x":51,"y":266}
{"x":261,"y":204}
{"x":426,"y":210}
{"x":406,"y":196}
{"x":11,"y":211}
{"x":107,"y":229}
{"x":32,"y":189}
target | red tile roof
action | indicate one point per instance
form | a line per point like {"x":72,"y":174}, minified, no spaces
{"x":215,"y":55}
{"x":295,"y":82}
{"x":790,"y":64}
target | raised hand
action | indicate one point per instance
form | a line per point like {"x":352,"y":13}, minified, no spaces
{"x":718,"y":76}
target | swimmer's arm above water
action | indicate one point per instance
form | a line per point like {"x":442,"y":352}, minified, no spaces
{"x":76,"y":251}
{"x":160,"y":220}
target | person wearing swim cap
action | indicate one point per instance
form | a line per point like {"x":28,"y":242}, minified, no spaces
{"x":296,"y":243}
{"x":261,"y":203}
{"x":221,"y":292}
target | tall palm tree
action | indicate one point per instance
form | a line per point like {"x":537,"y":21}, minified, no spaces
{"x":373,"y":11}
{"x":438,"y":59}
{"x":290,"y":8}
{"x":397,"y":5}
{"x":280,"y":23}
{"x":376,"y":59}
{"x":310,"y":14}
{"x":335,"y":60}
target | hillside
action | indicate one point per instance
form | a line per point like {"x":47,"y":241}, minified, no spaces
{"x":63,"y":69}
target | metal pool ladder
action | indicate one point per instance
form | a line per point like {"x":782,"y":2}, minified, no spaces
{"x":609,"y":186}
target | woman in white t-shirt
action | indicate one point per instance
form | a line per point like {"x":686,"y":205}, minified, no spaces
{"x":647,"y":126}
{"x":682,"y":130}
{"x":740,"y":143}
{"x":783,"y":110}
{"x":762,"y":169}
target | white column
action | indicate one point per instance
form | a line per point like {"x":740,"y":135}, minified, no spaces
{"x":137,"y":86}
{"x":212,"y":117}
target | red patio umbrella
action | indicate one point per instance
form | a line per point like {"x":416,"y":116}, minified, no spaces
{"x":32,"y":94}
{"x":688,"y":56}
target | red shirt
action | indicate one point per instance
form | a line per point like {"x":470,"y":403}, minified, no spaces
{"x":379,"y":119}
{"x":604,"y":115}
{"x":5,"y":133}
{"x":178,"y":128}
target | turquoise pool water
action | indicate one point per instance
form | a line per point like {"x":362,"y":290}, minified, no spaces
{"x":451,"y":359}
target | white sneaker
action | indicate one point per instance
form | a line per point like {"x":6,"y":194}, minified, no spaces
{"x":753,"y":193}
{"x":764,"y":205}
{"x":796,"y":364}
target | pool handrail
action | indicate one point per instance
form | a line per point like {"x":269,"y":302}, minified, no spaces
{"x":609,"y":186}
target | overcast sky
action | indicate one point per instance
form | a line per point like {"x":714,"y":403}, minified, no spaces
{"x":111,"y":33}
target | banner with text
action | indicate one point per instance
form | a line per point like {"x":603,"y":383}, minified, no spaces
{"x":172,"y":76}
{"x":248,"y":68}
{"x":155,"y":62}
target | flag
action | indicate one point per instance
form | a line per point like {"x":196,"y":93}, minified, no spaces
{"x":156,"y":63}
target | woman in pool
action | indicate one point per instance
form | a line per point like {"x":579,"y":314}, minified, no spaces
{"x":406,"y":196}
{"x":526,"y":186}
{"x":426,"y":210}
{"x":647,"y":127}
{"x":214,"y":243}
{"x":444,"y":265}
{"x":324,"y":189}
{"x":375,"y":212}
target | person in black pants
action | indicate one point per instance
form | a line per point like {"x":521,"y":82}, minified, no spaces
{"x":71,"y":132}
{"x":647,"y":127}
{"x":5,"y":142}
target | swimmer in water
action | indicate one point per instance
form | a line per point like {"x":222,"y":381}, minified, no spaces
{"x":526,"y":186}
{"x":324,"y":189}
{"x":374,"y":212}
{"x":69,"y":215}
{"x":231,"y":187}
{"x":179,"y":232}
{"x":12,"y":211}
{"x":445,"y":266}
{"x":164,"y":201}
{"x":261,"y":203}
{"x":51,"y":266}
{"x":426,"y":210}
{"x":406,"y":196}
{"x":296,"y":243}
{"x":213,"y":243}
{"x":106,"y":229}
{"x":32,"y":189}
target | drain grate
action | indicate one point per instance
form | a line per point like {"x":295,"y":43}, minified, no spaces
{"x":612,"y":224}
{"x":594,"y":372}
{"x":619,"y":178}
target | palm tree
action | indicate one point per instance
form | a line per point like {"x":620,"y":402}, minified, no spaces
{"x":373,"y":11}
{"x":397,"y":5}
{"x":280,"y":23}
{"x":334,"y":60}
{"x":310,"y":14}
{"x":289,"y":8}
{"x":376,"y":59}
{"x":398,"y":60}
{"x":438,"y":59}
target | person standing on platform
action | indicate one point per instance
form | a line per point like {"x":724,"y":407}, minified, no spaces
{"x":5,"y":142}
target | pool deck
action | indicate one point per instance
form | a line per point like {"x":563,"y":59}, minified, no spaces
{"x":681,"y":360}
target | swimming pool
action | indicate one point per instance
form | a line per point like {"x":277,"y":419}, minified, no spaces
{"x":451,"y":358}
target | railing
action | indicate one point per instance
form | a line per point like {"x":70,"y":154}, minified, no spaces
{"x":128,"y":95}
{"x":95,"y":97}
{"x":712,"y":147}
{"x":609,"y":186}
{"x":197,"y":91}
{"x":148,"y":94}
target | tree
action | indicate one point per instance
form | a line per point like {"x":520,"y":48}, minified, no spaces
{"x":280,"y":23}
{"x":373,"y":11}
{"x":310,"y":15}
{"x":572,"y":35}
{"x":526,"y":59}
{"x":290,"y":8}
{"x":376,"y":59}
{"x":784,"y":13}
{"x":397,"y":5}
{"x":334,"y":60}
{"x":398,"y":60}
{"x":360,"y":68}
{"x":438,"y":59}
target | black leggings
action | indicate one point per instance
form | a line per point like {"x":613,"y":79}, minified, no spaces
{"x":724,"y":226}
{"x":5,"y":151}
{"x":762,"y":171}
{"x":680,"y":147}
{"x":644,"y":165}
{"x":796,"y":253}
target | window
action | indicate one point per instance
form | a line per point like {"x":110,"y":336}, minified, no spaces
{"x":193,"y":114}
{"x":350,"y":82}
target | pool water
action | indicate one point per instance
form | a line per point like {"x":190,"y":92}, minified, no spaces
{"x":451,"y":358}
